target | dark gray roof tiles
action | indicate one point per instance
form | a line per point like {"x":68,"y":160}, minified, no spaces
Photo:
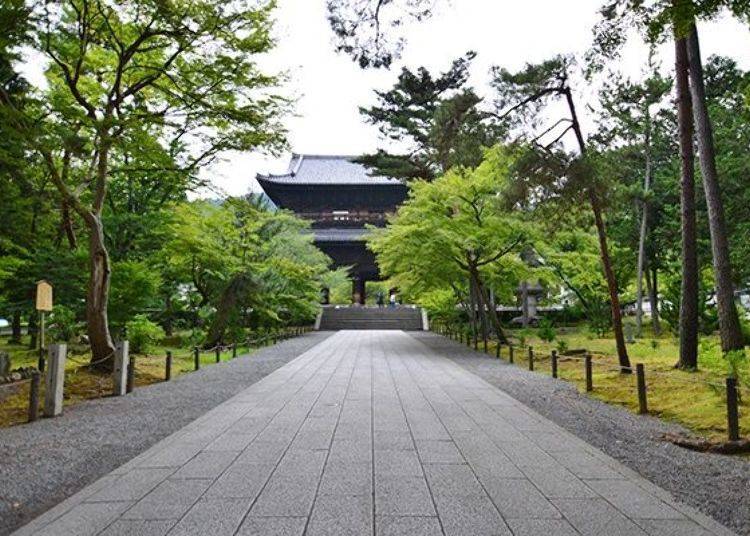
{"x":326,"y":169}
{"x":340,"y":235}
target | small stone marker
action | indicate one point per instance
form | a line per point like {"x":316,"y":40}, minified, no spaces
{"x":122,"y":351}
{"x":55,"y":380}
{"x":629,"y":335}
{"x":4,"y":364}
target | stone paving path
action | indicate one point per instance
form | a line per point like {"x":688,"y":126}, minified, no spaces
{"x":370,"y":432}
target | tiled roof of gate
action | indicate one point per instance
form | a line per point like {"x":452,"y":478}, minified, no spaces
{"x":340,"y":235}
{"x":326,"y":169}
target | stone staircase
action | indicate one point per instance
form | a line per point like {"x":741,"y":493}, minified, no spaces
{"x":405,"y":318}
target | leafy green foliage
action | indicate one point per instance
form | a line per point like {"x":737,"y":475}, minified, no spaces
{"x":438,"y":116}
{"x":455,"y":237}
{"x":62,"y":325}
{"x":546,"y":330}
{"x":135,"y":287}
{"x":140,"y":94}
{"x":143,"y":333}
{"x":338,"y":284}
{"x":241,"y":265}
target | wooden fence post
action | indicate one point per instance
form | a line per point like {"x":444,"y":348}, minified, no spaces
{"x":34,"y":395}
{"x":120,"y":371}
{"x":497,"y":350}
{"x":587,"y":367}
{"x":197,"y":357}
{"x":484,"y":336}
{"x":510,"y":353}
{"x":234,"y":350}
{"x":553,"y":356}
{"x":531,"y":358}
{"x":131,"y":374}
{"x":733,"y":422}
{"x":168,"y":367}
{"x":641,"y":382}
{"x":218,"y":353}
{"x":54,"y":380}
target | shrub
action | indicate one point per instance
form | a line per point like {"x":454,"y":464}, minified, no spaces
{"x":135,"y":287}
{"x":143,"y":334}
{"x":562,"y":346}
{"x":545,"y":331}
{"x":522,"y":336}
{"x":745,"y":324}
{"x":62,"y":324}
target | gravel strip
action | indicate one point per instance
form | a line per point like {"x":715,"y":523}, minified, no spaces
{"x":43,"y":463}
{"x":717,"y":485}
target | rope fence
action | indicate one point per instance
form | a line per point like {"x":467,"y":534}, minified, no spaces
{"x":731,"y":387}
{"x":125,"y":365}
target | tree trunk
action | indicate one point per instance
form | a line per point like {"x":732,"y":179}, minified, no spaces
{"x":614,"y":300}
{"x":67,"y":226}
{"x":102,"y":346}
{"x":33,"y":329}
{"x":473,"y":302}
{"x":729,"y":323}
{"x":689,"y":286}
{"x":484,"y":299}
{"x":168,"y":320}
{"x":15,"y":329}
{"x":644,"y":226}
{"x":653,"y":298}
{"x":609,"y":274}
{"x":236,"y":287}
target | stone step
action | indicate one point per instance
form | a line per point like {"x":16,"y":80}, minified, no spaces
{"x":385,"y":318}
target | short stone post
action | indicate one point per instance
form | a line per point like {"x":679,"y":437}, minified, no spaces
{"x":531,"y":358}
{"x":497,"y":350}
{"x":733,"y":421}
{"x":553,"y":357}
{"x":197,"y":357}
{"x":54,"y":380}
{"x":234,"y":350}
{"x":641,"y":382}
{"x":589,"y":375}
{"x":131,"y":374}
{"x":168,"y":367}
{"x":485,"y":343}
{"x":120,"y":371}
{"x":510,"y":353}
{"x":36,"y":378}
{"x":218,"y":353}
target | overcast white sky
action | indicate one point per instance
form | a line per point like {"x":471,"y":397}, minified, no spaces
{"x":329,"y":87}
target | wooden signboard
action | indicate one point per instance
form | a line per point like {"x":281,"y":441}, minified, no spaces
{"x":43,"y":296}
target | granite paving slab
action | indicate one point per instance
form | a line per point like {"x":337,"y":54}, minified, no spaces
{"x":372,"y":432}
